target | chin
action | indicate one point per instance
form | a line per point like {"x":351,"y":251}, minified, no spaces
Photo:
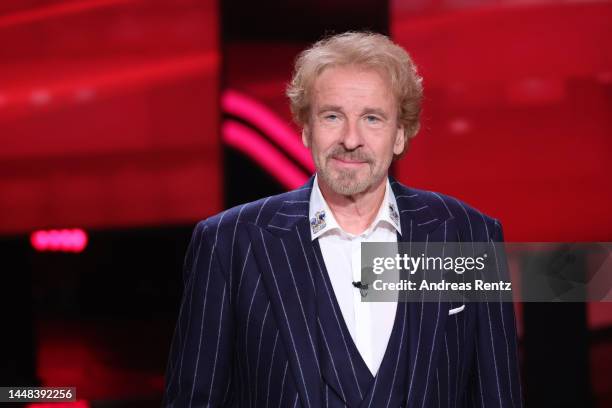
{"x":351,"y":187}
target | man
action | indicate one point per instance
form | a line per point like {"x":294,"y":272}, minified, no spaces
{"x":271,"y":314}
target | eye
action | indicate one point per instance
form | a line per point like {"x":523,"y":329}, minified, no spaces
{"x":331,"y":117}
{"x":372,"y":119}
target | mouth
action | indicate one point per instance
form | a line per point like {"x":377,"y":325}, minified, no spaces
{"x":348,"y":162}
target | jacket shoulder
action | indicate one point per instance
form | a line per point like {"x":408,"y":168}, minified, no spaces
{"x":222,"y":226}
{"x":257,"y":212}
{"x":472,"y":224}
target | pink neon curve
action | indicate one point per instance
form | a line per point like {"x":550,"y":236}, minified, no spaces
{"x":268,"y":122}
{"x":265,"y":154}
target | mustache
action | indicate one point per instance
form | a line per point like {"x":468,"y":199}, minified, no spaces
{"x":340,"y":152}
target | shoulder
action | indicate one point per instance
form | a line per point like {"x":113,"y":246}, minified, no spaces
{"x":472,"y":224}
{"x":257,"y":212}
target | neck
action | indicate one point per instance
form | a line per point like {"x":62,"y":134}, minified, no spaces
{"x":356,"y":212}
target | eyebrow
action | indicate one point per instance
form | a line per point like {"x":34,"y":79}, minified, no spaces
{"x":366,"y":110}
{"x":327,"y":108}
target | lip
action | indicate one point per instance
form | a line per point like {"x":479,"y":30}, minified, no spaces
{"x":348,"y":163}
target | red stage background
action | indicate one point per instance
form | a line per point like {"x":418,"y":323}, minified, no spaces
{"x":134,"y":119}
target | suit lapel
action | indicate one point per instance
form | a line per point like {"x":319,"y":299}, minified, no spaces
{"x":281,"y":249}
{"x":426,"y":320}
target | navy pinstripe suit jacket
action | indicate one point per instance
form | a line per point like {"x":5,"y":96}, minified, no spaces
{"x":259,"y":325}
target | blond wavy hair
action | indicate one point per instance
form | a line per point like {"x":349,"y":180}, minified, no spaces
{"x":362,"y":49}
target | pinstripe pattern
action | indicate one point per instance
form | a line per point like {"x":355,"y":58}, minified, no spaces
{"x":259,"y":324}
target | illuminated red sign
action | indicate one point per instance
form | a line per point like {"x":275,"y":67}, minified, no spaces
{"x":63,"y":240}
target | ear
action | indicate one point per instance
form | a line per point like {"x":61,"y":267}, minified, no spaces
{"x":306,"y":136}
{"x":400,"y":141}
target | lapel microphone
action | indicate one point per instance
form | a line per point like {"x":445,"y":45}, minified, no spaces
{"x":360,"y":285}
{"x":363,"y":288}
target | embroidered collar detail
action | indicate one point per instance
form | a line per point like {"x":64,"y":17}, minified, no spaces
{"x":322,"y":219}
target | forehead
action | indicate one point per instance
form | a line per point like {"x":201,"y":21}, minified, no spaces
{"x":353,"y":85}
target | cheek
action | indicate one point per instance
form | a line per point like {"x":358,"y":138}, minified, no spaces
{"x":382,"y":147}
{"x":323,"y":139}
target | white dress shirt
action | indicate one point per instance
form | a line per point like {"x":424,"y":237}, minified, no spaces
{"x":370,"y":323}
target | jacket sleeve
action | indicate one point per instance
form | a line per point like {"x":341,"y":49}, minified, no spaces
{"x":496,"y":381}
{"x":200,"y":361}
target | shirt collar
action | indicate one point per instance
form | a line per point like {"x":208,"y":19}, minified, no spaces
{"x":322,"y":219}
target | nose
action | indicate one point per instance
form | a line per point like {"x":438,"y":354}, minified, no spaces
{"x":352,"y":137}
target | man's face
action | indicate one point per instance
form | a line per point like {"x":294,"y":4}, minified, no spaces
{"x":353,"y":130}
